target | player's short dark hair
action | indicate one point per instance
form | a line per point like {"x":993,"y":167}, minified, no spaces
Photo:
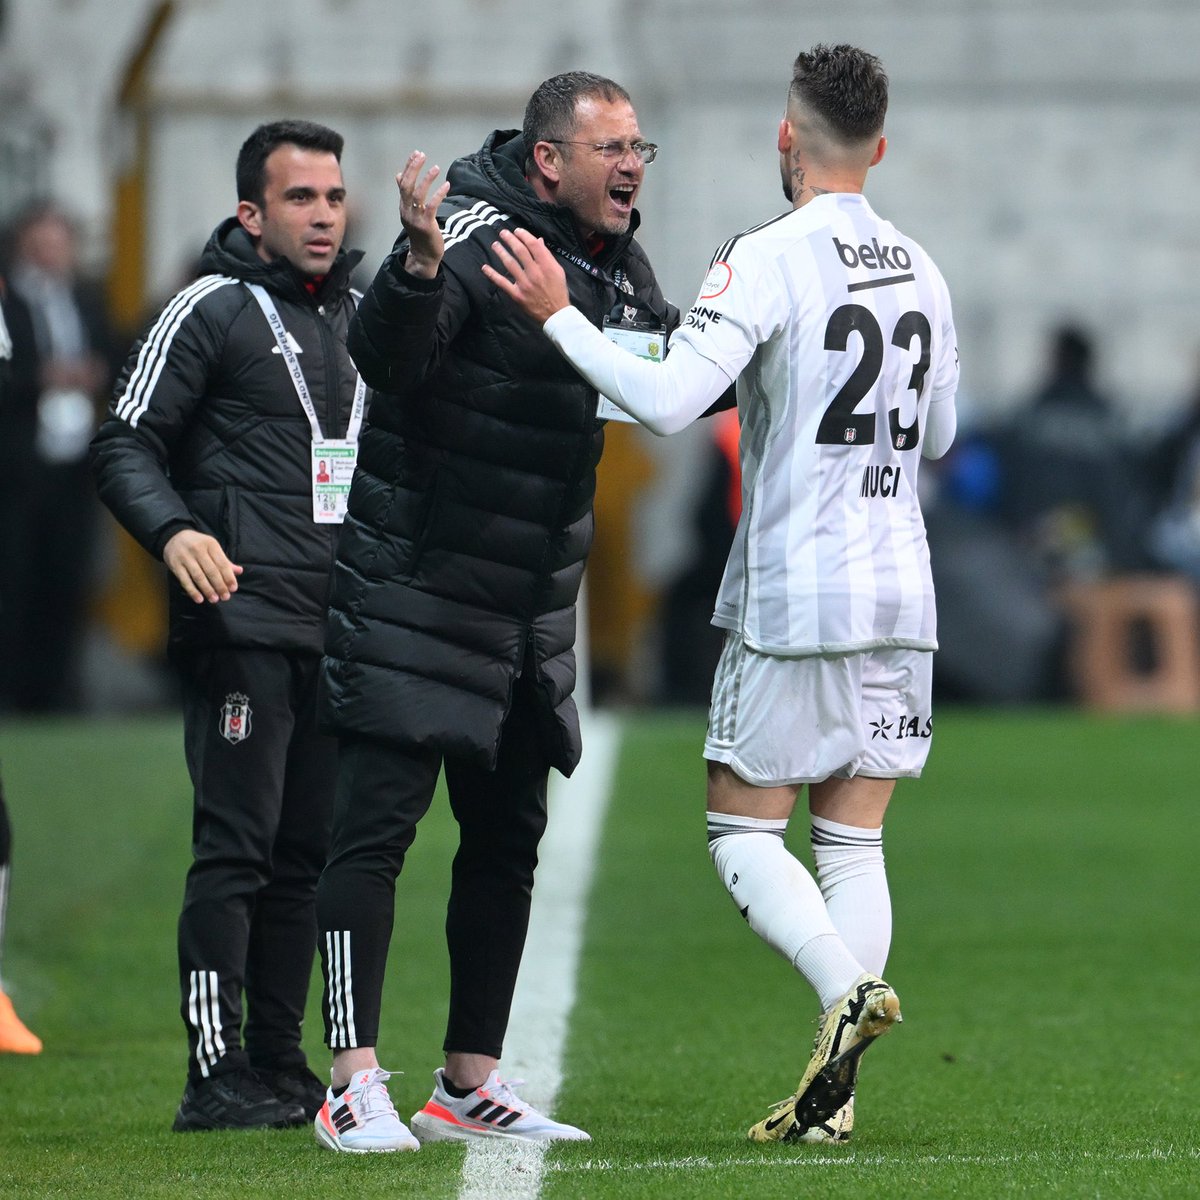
{"x":259,"y":146}
{"x":550,"y":113}
{"x":845,"y":86}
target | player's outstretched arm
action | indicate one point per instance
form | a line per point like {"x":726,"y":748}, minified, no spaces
{"x":665,"y":397}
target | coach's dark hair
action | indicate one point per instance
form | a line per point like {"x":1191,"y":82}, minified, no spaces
{"x":845,"y":86}
{"x":258,"y":147}
{"x":550,"y":113}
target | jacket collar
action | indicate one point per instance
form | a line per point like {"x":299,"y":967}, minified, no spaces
{"x":231,"y":252}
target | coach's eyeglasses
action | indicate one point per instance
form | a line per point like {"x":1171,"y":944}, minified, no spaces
{"x":614,"y":151}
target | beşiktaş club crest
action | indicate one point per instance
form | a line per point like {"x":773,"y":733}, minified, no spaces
{"x":235,"y":718}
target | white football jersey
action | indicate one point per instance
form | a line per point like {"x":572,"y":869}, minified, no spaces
{"x":838,"y":330}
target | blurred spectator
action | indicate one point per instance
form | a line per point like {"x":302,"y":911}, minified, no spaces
{"x":1069,"y":491}
{"x":1175,"y":531}
{"x":1166,"y":459}
{"x":690,"y":644}
{"x":1000,"y":636}
{"x":1173,"y":473}
{"x":64,"y":361}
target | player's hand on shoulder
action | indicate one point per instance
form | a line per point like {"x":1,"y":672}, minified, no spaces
{"x":536,"y":281}
{"x":201,"y":565}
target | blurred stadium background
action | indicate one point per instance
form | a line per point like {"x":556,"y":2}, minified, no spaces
{"x":1043,"y":150}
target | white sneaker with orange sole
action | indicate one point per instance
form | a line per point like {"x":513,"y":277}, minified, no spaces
{"x":362,"y":1119}
{"x":493,"y":1110}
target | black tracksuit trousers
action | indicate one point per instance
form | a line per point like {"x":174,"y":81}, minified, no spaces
{"x":263,"y":780}
{"x":383,"y":791}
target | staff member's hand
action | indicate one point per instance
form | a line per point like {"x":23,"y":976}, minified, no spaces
{"x":418,"y":215}
{"x":201,"y":566}
{"x":538,"y":283}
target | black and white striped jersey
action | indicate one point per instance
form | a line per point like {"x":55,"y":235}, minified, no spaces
{"x":838,"y":331}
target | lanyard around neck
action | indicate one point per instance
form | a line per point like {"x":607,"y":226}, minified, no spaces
{"x":625,"y":299}
{"x":293,"y":365}
{"x":587,"y":265}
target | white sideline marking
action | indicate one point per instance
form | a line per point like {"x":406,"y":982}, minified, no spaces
{"x":850,"y":1159}
{"x":545,"y":996}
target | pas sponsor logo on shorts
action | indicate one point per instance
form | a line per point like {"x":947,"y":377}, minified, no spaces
{"x":904,"y":726}
{"x":235,"y":718}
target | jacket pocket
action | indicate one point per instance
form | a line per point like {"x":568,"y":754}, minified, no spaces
{"x":230,"y":522}
{"x":427,"y":514}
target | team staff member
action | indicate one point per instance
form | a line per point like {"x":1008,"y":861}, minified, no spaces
{"x":62,"y":379}
{"x":208,"y":457}
{"x":452,"y":624}
{"x":838,"y":331}
{"x":15,"y":1036}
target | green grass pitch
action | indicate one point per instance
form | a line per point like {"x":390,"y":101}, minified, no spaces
{"x":1044,"y":879}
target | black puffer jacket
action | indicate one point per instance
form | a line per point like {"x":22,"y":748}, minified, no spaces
{"x":471,"y":511}
{"x":206,"y":432}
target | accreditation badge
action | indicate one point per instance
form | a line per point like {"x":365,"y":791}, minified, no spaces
{"x":645,"y":343}
{"x":333,"y":461}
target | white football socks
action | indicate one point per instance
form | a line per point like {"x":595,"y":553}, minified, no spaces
{"x":781,"y":901}
{"x":853,"y":880}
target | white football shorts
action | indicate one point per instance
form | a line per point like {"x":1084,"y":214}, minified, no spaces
{"x":780,"y":721}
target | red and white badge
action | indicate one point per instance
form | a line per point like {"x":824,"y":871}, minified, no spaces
{"x":235,"y":718}
{"x":719,"y":277}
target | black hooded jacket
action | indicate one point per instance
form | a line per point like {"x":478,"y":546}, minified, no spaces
{"x":471,"y":511}
{"x":206,"y":432}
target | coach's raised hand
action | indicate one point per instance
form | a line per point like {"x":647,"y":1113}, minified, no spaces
{"x":418,"y":215}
